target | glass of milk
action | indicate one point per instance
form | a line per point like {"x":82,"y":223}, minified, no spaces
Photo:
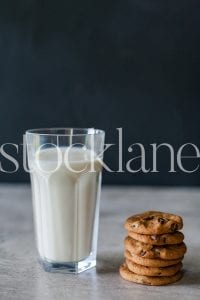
{"x":65,"y":169}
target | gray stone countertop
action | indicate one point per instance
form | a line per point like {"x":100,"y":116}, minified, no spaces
{"x":22,"y":278}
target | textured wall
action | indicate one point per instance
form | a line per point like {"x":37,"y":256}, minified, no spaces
{"x":107,"y":64}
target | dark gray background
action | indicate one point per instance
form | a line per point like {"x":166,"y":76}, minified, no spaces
{"x":107,"y":64}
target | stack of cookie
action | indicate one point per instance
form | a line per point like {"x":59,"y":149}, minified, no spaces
{"x":154,"y":248}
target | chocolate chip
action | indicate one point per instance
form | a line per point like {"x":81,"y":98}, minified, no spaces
{"x":148,"y":218}
{"x":135,"y":225}
{"x":174,"y":227}
{"x":144,"y":223}
{"x":156,"y":250}
{"x":155,"y":237}
{"x":164,"y":240}
{"x":142,"y":253}
{"x":159,"y":274}
{"x":161,"y":220}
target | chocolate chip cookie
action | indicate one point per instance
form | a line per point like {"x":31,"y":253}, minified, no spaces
{"x":153,"y":251}
{"x":154,"y":222}
{"x":153,"y":271}
{"x":149,"y":262}
{"x":148,"y":280}
{"x":158,"y":239}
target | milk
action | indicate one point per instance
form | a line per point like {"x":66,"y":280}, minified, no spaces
{"x":65,"y":202}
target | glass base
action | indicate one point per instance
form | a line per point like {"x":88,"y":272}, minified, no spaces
{"x":68,"y":267}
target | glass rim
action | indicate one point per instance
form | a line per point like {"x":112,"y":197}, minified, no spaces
{"x":70,"y":131}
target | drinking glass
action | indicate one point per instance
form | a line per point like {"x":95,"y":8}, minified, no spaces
{"x":65,"y":166}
